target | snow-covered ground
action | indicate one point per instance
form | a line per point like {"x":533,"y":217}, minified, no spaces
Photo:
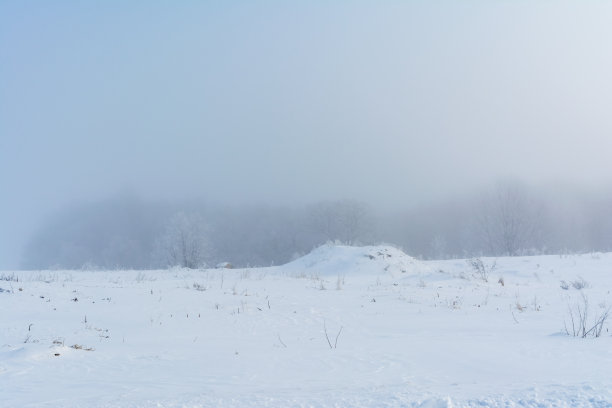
{"x":343,"y":326}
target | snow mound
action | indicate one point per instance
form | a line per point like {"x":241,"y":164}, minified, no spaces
{"x":335,"y":260}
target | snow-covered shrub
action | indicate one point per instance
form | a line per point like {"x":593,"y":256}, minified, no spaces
{"x":579,"y":283}
{"x":143,"y":277}
{"x":9,"y":278}
{"x":90,"y":266}
{"x":480,"y":269}
{"x":199,"y":287}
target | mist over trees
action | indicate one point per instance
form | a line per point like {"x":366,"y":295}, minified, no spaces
{"x":114,"y":233}
{"x":347,"y":221}
{"x":184,"y":241}
{"x":508,"y":218}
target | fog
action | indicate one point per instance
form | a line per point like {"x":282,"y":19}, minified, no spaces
{"x":253,"y":114}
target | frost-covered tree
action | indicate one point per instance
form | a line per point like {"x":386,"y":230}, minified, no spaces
{"x":355,"y":221}
{"x":509,"y":220}
{"x":438,"y":247}
{"x":184,"y":242}
{"x":348,"y":221}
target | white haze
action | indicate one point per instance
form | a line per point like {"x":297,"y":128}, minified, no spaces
{"x":396,"y":104}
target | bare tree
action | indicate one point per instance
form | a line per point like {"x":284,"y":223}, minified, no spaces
{"x":438,"y":247}
{"x":355,"y":221}
{"x":509,"y":220}
{"x":184,"y":241}
{"x":348,"y":221}
{"x":323,"y":220}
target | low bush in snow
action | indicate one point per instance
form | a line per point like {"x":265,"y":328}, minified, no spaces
{"x":480,"y":269}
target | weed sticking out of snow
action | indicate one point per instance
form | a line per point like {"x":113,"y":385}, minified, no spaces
{"x":584,"y":322}
{"x":199,"y":287}
{"x":579,"y":283}
{"x":81,"y":347}
{"x":143,"y":277}
{"x":480,"y":269}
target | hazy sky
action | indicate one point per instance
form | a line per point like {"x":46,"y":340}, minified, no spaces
{"x":389,"y":102}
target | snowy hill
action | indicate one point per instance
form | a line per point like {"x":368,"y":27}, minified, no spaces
{"x":342,"y":327}
{"x":334,"y":260}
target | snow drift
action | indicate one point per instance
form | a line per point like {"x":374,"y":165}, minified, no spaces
{"x":333,"y":260}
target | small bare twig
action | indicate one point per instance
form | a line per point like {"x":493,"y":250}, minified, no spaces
{"x":327,"y":336}
{"x":338,"y":335}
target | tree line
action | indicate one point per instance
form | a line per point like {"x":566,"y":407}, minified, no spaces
{"x":506,"y":219}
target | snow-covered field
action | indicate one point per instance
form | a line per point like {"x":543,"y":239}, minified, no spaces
{"x":354,"y":327}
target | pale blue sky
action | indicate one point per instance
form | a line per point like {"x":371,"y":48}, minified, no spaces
{"x":389,"y":102}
